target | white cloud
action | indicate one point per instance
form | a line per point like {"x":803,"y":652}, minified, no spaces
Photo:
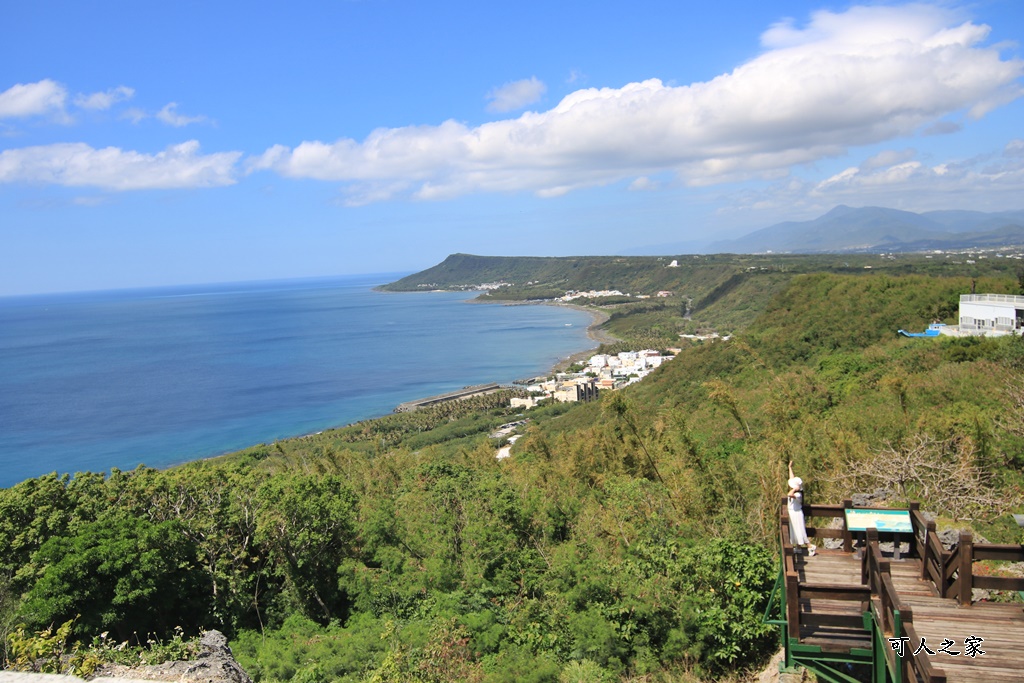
{"x":33,"y":99}
{"x":516,"y":95}
{"x":111,"y":168}
{"x":169,"y":115}
{"x":134,"y":114}
{"x":643,"y":183}
{"x":861,"y":77}
{"x":933,"y":184}
{"x":992,"y":182}
{"x":104,"y":100}
{"x":888,"y":157}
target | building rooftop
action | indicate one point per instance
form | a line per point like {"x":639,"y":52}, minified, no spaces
{"x":992,"y":299}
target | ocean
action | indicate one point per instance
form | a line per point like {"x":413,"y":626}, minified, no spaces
{"x":96,"y":380}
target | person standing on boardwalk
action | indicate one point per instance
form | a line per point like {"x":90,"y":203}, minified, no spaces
{"x":795,"y":503}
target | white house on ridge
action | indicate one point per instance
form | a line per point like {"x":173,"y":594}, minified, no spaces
{"x":991,"y":312}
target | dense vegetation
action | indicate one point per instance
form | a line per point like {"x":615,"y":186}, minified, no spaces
{"x":627,"y":539}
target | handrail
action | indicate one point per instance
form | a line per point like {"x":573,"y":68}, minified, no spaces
{"x":941,"y":565}
{"x":830,"y":512}
{"x":919,"y":537}
{"x":793,"y":604}
{"x":895,"y":617}
{"x":876,"y":573}
{"x":795,"y":591}
{"x":922,"y":666}
{"x":792,"y":579}
{"x":948,"y":585}
{"x":934,"y":560}
{"x":998,"y":552}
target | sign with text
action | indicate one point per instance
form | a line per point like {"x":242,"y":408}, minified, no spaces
{"x":897,"y":521}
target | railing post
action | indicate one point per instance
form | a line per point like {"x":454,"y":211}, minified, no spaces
{"x":899,"y":674}
{"x":847,"y":535}
{"x":867,"y":557}
{"x":966,"y":568}
{"x":793,"y":605}
{"x":915,"y":542}
{"x":950,"y":564}
{"x":784,"y":535}
{"x":927,"y":555}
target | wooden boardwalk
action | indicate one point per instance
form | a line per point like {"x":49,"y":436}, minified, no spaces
{"x":844,"y":610}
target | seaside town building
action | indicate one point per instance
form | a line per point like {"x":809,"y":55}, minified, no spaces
{"x":592,"y":294}
{"x":603,"y":372}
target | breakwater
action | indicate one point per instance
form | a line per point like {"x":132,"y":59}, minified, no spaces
{"x":465,"y":392}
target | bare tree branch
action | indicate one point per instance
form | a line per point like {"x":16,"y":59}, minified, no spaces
{"x":942,"y":474}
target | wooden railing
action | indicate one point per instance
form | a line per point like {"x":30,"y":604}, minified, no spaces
{"x":894,"y":617}
{"x":876,"y":574}
{"x":828,"y":512}
{"x":797,"y":591}
{"x":934,"y":558}
{"x":950,"y":571}
{"x":1001,"y":553}
{"x":922,"y":667}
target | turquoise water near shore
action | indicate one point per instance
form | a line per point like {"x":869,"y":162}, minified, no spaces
{"x":160,"y":376}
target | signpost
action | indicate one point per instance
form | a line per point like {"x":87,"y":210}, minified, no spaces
{"x":895,"y":521}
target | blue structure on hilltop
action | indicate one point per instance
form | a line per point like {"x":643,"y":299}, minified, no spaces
{"x":932,"y":331}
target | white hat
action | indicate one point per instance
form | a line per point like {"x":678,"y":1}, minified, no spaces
{"x":795,"y":482}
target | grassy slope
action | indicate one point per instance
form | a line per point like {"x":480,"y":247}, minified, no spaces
{"x":820,"y":378}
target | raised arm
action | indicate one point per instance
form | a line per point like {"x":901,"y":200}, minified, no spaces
{"x":790,"y":469}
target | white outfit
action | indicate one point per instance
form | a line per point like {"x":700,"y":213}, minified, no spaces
{"x":797,"y":530}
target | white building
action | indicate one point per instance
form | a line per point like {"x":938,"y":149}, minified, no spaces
{"x":991,"y":312}
{"x":528,"y":402}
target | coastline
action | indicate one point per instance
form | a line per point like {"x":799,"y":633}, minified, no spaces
{"x":597,"y":318}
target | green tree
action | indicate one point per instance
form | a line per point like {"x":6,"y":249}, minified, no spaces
{"x":306,"y":525}
{"x":121,"y":574}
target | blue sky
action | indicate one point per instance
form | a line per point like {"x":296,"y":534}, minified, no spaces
{"x":167,"y":143}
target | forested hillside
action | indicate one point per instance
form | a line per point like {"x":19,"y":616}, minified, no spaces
{"x":632,"y":538}
{"x":691,"y":275}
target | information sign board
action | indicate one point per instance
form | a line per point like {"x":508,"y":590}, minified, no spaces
{"x":897,"y":521}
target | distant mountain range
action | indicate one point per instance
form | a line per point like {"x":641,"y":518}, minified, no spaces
{"x":872,"y":228}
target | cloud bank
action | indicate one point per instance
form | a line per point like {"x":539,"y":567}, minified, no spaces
{"x":863,"y":76}
{"x":111,"y":168}
{"x":992,"y":181}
